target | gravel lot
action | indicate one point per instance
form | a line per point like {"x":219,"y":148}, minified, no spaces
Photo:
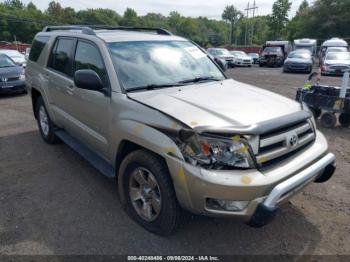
{"x":53,"y":202}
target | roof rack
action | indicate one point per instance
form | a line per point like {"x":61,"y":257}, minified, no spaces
{"x":89,"y":29}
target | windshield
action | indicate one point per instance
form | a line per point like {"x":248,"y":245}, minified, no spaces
{"x":146,"y":63}
{"x":273,"y":49}
{"x":5,"y":61}
{"x":338,"y":56}
{"x":337,"y":49}
{"x":299,"y":55}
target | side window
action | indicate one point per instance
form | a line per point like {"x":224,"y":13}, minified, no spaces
{"x":37,"y":47}
{"x":61,"y":56}
{"x":87,"y":56}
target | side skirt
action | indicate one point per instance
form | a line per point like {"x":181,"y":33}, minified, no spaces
{"x":94,"y":159}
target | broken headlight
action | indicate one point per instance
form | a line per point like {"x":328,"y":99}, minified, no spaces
{"x":217,"y":153}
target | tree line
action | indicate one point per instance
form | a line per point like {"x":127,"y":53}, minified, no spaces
{"x":322,"y":19}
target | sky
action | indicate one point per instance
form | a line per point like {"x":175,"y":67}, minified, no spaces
{"x":194,"y":8}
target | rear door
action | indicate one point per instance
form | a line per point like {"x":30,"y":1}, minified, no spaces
{"x":59,"y":75}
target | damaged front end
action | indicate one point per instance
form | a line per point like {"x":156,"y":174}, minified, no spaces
{"x":216,"y":152}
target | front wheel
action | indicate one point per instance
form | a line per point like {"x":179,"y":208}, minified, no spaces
{"x":147,"y":193}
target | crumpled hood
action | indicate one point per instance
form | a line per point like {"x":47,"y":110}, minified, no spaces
{"x":218,"y":104}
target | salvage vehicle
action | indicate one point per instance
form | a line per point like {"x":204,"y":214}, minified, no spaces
{"x":336,"y":63}
{"x":11,"y":76}
{"x":242,"y":59}
{"x":298,"y":61}
{"x":222,"y":54}
{"x":153,"y":111}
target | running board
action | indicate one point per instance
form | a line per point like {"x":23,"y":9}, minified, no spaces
{"x":95,"y":160}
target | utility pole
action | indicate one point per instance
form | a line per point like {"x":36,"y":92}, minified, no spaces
{"x":246,"y":25}
{"x":254,"y":8}
{"x":248,"y":9}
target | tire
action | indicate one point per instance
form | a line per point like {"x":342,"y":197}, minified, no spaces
{"x":261,"y":65}
{"x":46,"y":126}
{"x":328,"y":120}
{"x":316,"y":112}
{"x":344,"y":120}
{"x":159,"y":198}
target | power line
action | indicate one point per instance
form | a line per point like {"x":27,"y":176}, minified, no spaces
{"x":249,"y":9}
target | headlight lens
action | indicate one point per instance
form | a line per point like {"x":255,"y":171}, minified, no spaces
{"x":217,"y":153}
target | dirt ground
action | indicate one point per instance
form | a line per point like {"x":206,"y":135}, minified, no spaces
{"x":53,"y":202}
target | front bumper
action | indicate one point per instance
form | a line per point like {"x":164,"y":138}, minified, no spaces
{"x":298,"y":67}
{"x":261,"y":190}
{"x":12,"y":87}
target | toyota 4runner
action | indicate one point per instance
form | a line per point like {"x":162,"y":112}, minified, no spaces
{"x":154,"y":111}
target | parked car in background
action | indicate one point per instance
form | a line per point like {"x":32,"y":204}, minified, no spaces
{"x":16,"y":56}
{"x":299,"y":61}
{"x":255,"y":57}
{"x":336,"y":63}
{"x":241,"y":58}
{"x":272,"y":56}
{"x":222,"y":53}
{"x":333,"y":42}
{"x":11,"y":76}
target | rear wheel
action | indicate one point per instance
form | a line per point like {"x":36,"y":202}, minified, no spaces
{"x":344,"y":120}
{"x":147,"y":192}
{"x":46,"y":126}
{"x":328,"y":120}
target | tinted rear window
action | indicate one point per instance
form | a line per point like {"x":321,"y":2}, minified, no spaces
{"x":37,"y":47}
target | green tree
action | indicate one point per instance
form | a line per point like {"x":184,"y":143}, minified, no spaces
{"x":231,"y":15}
{"x":130,"y":18}
{"x":278,"y":20}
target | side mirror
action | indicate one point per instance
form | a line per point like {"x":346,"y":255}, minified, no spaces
{"x":88,"y":79}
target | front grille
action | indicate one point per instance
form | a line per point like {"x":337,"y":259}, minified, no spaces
{"x":280,"y":144}
{"x":9,"y":79}
{"x":246,"y":61}
{"x":298,"y":65}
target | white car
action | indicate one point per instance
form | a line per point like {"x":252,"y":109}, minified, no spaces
{"x":241,"y":58}
{"x":16,"y":56}
{"x":336,"y":63}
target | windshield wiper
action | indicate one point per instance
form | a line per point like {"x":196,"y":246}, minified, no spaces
{"x":200,"y":79}
{"x":153,"y":86}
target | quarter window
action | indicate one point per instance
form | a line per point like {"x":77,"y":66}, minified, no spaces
{"x":62,"y":56}
{"x":87,"y":56}
{"x":37,"y":47}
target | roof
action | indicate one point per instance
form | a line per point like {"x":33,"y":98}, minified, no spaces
{"x":124,"y":36}
{"x":335,"y":42}
{"x":114,"y":34}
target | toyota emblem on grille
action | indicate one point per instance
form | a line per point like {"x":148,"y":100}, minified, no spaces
{"x":4,"y":79}
{"x":293,"y":140}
